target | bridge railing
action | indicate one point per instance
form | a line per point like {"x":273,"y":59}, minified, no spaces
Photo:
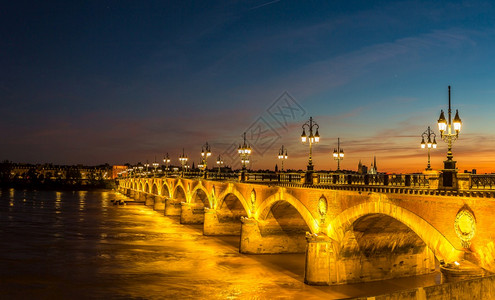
{"x":223,"y":176}
{"x":484,"y":182}
{"x":291,"y":177}
{"x":329,"y":179}
{"x":262,"y":177}
{"x":399,"y":180}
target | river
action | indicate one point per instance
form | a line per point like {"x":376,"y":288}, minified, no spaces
{"x":78,"y":245}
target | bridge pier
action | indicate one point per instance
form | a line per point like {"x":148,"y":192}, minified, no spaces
{"x":191,"y":213}
{"x":216,"y":223}
{"x":319,"y":258}
{"x":326,"y":267}
{"x":172,"y":207}
{"x":141,"y":197}
{"x":257,"y":238}
{"x":159,"y":203}
{"x":149,"y":199}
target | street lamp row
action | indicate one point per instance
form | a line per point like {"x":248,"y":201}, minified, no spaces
{"x":449,"y":132}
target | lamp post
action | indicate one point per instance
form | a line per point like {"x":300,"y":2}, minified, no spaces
{"x":449,"y":131}
{"x":146,"y":165}
{"x":183,"y":161}
{"x":311,"y":139}
{"x":166,"y":161}
{"x":244,"y":151}
{"x":219,"y":163}
{"x":338,"y":154}
{"x":282,"y":155}
{"x":205,"y":153}
{"x":140,"y":167}
{"x":155,"y":166}
{"x":429,"y":144}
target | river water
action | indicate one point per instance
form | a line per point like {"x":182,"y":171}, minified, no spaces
{"x":78,"y":245}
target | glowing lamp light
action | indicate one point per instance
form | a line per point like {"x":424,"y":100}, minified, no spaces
{"x":317,"y":137}
{"x":442,"y":122}
{"x":423,"y":145}
{"x":429,"y":144}
{"x":457,"y":122}
{"x":303,"y":136}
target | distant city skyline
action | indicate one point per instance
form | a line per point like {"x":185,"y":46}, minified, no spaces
{"x":122,"y":82}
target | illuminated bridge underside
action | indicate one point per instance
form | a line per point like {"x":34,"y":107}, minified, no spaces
{"x":348,"y":236}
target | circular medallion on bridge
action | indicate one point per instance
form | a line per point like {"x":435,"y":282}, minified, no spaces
{"x":465,"y":227}
{"x":322,"y":207}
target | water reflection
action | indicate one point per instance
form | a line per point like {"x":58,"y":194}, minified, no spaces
{"x":58,"y":200}
{"x":83,"y":247}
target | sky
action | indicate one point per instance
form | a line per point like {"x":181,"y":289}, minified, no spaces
{"x":93,"y":82}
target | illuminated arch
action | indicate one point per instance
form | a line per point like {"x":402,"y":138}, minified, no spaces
{"x":165,"y":191}
{"x":146,"y":188}
{"x":154,"y":189}
{"x":231,"y":190}
{"x":177,"y":186}
{"x":265,"y":207}
{"x":200,"y":186}
{"x":434,"y":240}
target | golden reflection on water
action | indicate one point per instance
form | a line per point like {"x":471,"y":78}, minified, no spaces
{"x":58,"y":201}
{"x":11,"y":197}
{"x":82,"y":200}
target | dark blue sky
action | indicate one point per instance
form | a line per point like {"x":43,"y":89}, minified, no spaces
{"x":124,"y":81}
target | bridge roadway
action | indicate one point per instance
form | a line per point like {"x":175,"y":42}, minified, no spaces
{"x":351,"y":232}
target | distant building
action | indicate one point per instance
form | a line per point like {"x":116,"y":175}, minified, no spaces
{"x":363,"y":169}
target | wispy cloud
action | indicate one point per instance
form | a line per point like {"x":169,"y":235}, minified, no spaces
{"x":265,"y":4}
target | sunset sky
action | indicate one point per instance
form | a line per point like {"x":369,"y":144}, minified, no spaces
{"x":124,"y":81}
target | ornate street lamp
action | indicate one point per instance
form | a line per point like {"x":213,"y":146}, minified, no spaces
{"x":311,"y":139}
{"x":166,"y":161}
{"x":155,"y":166}
{"x":205,"y":153}
{"x":219,"y":163}
{"x":183,"y":161}
{"x":282,"y":155}
{"x":146,"y":165}
{"x":338,"y":154}
{"x":140,"y":168}
{"x":429,"y":144}
{"x":244,"y":151}
{"x":449,"y":131}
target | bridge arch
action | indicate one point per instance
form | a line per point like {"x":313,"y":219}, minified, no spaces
{"x":232,"y":191}
{"x":165,"y":190}
{"x":434,"y":240}
{"x":154,"y":189}
{"x":280,"y":198}
{"x":200,"y":194}
{"x":146,"y":188}
{"x":180,"y":192}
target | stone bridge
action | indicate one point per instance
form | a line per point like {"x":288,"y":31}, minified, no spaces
{"x":348,"y":235}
